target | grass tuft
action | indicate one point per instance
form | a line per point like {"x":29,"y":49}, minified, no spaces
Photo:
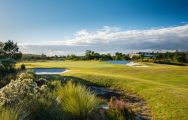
{"x":77,"y":100}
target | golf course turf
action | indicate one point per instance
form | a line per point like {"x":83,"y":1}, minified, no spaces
{"x":164,"y":87}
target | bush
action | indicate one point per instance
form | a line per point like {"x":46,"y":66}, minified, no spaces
{"x":29,"y":74}
{"x":20,"y":89}
{"x":77,"y":100}
{"x":41,"y":81}
{"x":46,"y":109}
{"x":22,"y":67}
{"x":17,"y":91}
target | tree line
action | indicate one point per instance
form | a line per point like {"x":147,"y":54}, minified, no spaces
{"x":172,"y":57}
{"x":160,"y":57}
{"x":10,"y":54}
{"x":89,"y":55}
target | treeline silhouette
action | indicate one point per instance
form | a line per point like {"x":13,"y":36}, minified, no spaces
{"x":158,"y":57}
{"x":89,"y":55}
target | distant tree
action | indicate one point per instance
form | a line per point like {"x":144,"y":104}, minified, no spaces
{"x":121,"y":56}
{"x":135,"y":57}
{"x":10,"y":48}
{"x":106,"y":57}
{"x":88,"y":54}
{"x":186,"y":56}
{"x":180,"y":57}
{"x":43,"y":56}
{"x":91,"y":55}
{"x":72,"y":57}
{"x":118,"y":56}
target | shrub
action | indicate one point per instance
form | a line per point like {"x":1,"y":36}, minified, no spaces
{"x":27,"y":75}
{"x":41,"y":81}
{"x":22,"y":67}
{"x":17,"y":91}
{"x":77,"y":100}
{"x":119,"y":110}
{"x":55,"y":85}
{"x":46,"y":109}
{"x":20,"y":89}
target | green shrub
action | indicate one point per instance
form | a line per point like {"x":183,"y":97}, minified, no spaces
{"x":46,"y":109}
{"x":29,"y":74}
{"x":20,"y":89}
{"x":77,"y":100}
{"x":22,"y":67}
{"x":17,"y":91}
{"x":55,"y":85}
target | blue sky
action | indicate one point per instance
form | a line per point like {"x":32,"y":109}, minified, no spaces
{"x":74,"y":25}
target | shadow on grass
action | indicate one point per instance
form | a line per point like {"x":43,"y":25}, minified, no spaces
{"x":65,"y":79}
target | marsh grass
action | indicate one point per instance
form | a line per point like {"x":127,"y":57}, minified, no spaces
{"x":77,"y":100}
{"x":9,"y":114}
{"x":18,"y":112}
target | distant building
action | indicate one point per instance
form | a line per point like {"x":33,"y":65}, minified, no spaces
{"x":145,"y":55}
{"x":148,"y":55}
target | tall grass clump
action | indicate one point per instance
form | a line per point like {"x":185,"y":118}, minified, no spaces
{"x":77,"y":100}
{"x":14,"y":113}
{"x":8,"y":114}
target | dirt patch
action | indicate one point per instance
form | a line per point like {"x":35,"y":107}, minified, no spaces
{"x":132,"y":101}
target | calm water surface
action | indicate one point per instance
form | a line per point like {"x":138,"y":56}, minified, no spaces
{"x":41,"y":71}
{"x":119,"y":61}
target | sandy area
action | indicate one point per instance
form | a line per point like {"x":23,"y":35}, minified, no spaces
{"x":133,"y":64}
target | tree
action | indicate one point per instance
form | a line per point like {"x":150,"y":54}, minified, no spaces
{"x":179,"y":57}
{"x":10,"y":48}
{"x":186,"y":56}
{"x":88,"y":54}
{"x":72,"y":57}
{"x":43,"y":56}
{"x":9,"y":54}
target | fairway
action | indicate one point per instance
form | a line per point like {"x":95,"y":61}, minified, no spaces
{"x":164,"y":87}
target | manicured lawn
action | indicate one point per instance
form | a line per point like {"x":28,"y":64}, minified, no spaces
{"x":164,"y":87}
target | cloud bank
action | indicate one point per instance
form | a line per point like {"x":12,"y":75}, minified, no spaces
{"x":112,"y":39}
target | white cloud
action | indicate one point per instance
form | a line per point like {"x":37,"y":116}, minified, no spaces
{"x":115,"y":35}
{"x":113,"y":38}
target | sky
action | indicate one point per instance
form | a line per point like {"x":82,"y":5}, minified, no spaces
{"x":60,"y":27}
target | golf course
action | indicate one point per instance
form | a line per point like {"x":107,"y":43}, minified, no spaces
{"x":163,"y":87}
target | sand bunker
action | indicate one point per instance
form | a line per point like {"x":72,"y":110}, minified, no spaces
{"x":133,"y":64}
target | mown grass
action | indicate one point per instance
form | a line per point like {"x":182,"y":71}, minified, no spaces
{"x":165,"y":87}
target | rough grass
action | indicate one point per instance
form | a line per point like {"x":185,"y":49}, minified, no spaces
{"x":13,"y":113}
{"x":9,"y":114}
{"x":77,"y":100}
{"x":165,"y":87}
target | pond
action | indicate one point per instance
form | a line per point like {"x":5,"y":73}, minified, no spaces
{"x":48,"y":71}
{"x":119,"y":61}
